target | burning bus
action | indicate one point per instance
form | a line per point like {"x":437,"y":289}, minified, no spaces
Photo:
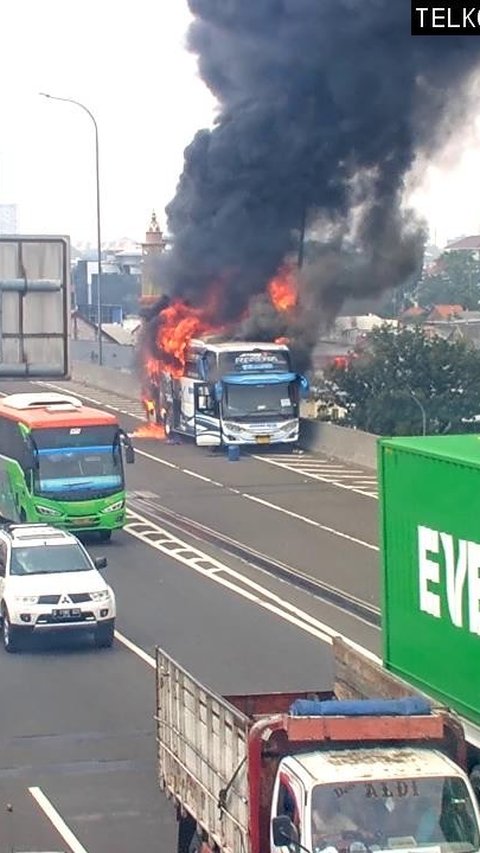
{"x":231,"y":393}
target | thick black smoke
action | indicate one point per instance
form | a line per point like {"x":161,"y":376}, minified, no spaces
{"x":324,"y":105}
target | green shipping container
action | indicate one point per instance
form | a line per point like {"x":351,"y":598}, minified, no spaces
{"x":430,"y":545}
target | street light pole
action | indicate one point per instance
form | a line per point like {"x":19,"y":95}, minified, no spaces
{"x":424,"y":414}
{"x":99,"y":242}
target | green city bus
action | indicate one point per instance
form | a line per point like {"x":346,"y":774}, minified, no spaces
{"x":62,"y":463}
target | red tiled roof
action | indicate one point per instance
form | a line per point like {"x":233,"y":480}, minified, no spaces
{"x":465,"y":243}
{"x":446,"y":311}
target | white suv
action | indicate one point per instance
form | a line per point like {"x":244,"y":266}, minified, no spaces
{"x":49,"y":582}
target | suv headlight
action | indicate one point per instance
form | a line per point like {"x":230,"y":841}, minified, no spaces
{"x":26,"y":599}
{"x":46,"y":510}
{"x":103,"y":595}
{"x":114,"y":507}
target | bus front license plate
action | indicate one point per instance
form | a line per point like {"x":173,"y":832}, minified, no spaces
{"x":263,"y":439}
{"x":84,"y":522}
{"x":66,"y":614}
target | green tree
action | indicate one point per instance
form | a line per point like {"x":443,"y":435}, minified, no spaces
{"x":404,"y":381}
{"x":456,"y":282}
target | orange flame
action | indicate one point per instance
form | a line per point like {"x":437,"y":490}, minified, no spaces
{"x":283,"y":290}
{"x":149,"y":431}
{"x":178,"y":323}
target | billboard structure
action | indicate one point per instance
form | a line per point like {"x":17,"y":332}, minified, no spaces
{"x":34,"y":307}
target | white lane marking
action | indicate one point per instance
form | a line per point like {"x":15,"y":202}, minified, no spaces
{"x":157,"y":459}
{"x":132,"y":647}
{"x":57,"y":821}
{"x":142,"y":528}
{"x":304,"y":518}
{"x":311,"y":522}
{"x":331,"y":481}
{"x":197,"y":476}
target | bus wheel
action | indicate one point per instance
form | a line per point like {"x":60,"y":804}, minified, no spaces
{"x":104,"y":535}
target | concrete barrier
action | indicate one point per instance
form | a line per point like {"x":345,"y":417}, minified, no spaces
{"x":349,"y":445}
{"x":124,"y":382}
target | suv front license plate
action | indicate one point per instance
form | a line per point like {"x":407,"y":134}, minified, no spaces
{"x":66,"y":614}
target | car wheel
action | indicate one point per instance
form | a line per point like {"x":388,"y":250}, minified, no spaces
{"x":105,"y":634}
{"x":11,"y":634}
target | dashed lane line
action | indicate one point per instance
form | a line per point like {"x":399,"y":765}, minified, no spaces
{"x":56,"y":820}
{"x":275,"y":507}
{"x":208,"y":567}
{"x":132,"y":647}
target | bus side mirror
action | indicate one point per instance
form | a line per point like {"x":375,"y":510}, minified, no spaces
{"x":218,"y":391}
{"x":129,"y":454}
{"x":304,"y":385}
{"x":284,"y":833}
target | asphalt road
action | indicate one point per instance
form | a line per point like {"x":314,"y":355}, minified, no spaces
{"x":78,"y":723}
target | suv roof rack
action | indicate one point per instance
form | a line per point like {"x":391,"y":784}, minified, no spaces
{"x":32,"y":530}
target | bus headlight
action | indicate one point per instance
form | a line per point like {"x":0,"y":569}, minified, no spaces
{"x":114,"y":507}
{"x":46,"y":510}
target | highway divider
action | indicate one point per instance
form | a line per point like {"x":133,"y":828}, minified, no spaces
{"x":122,"y":381}
{"x":349,"y":445}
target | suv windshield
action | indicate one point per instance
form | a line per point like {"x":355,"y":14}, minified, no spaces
{"x":45,"y":560}
{"x":395,"y":813}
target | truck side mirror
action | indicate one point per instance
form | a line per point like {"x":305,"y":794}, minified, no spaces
{"x":284,"y":832}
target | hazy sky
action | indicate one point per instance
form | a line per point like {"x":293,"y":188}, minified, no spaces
{"x":127,"y":62}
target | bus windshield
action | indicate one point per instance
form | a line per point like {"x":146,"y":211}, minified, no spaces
{"x":78,"y":463}
{"x":256,"y":402}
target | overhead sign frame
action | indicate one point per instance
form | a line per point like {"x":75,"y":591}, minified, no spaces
{"x":35,"y":294}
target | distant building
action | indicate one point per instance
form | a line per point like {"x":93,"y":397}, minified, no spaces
{"x":464,"y":244}
{"x":8,"y":218}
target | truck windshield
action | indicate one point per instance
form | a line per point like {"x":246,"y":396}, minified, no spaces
{"x":78,"y":463}
{"x":395,"y":813}
{"x":256,"y":402}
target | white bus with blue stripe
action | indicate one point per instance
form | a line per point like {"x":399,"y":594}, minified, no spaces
{"x":235,"y":393}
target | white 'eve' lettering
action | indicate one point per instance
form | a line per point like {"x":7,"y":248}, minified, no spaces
{"x":466,"y":567}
